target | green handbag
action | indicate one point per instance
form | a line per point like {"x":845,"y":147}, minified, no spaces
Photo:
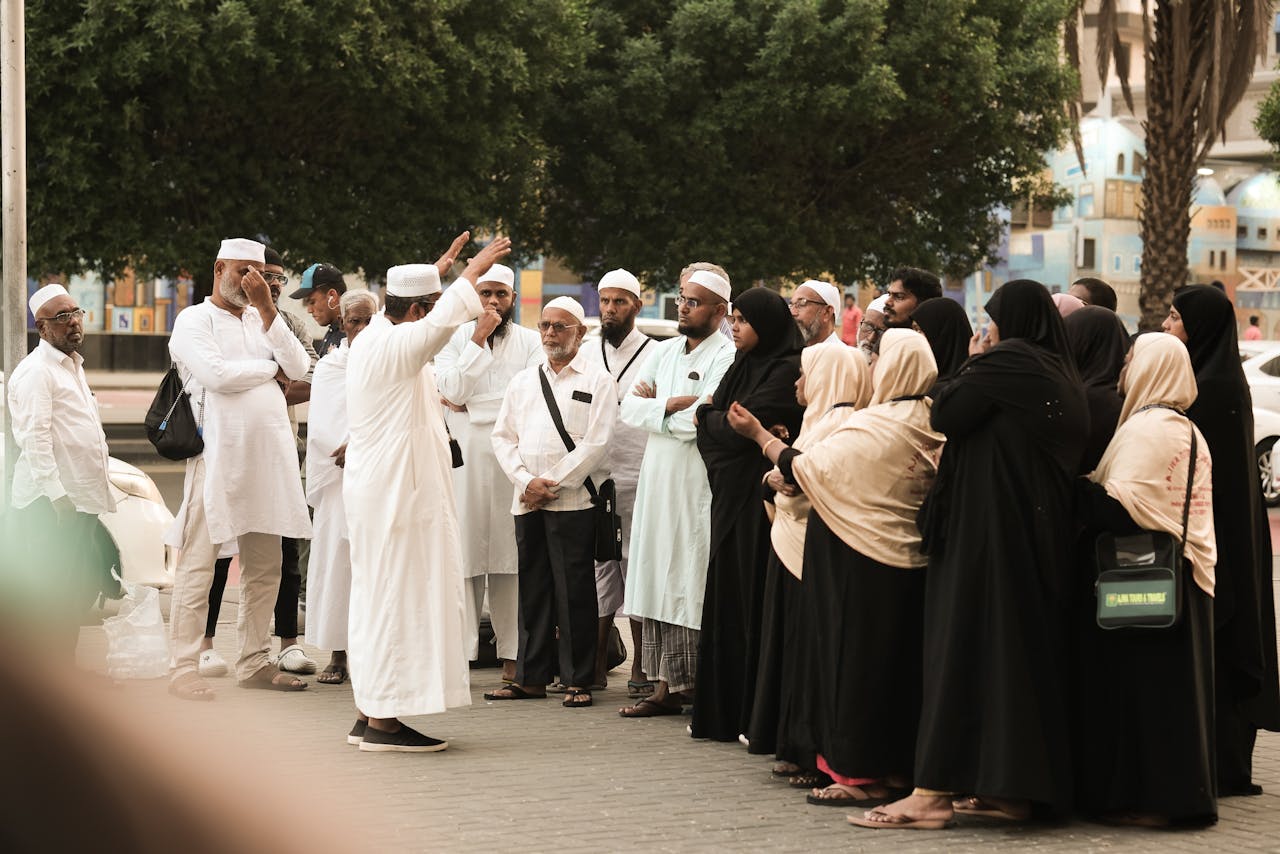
{"x":1140,"y":576}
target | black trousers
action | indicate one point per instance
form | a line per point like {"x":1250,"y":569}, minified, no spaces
{"x":557,"y":590}
{"x":286,"y":599}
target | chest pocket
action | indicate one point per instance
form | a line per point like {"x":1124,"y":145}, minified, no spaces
{"x":576,"y":412}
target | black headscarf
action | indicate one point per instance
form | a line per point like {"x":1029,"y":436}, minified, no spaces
{"x":770,"y":317}
{"x":945,"y":324}
{"x":1244,"y":612}
{"x":1099,"y":344}
{"x":1024,"y":309}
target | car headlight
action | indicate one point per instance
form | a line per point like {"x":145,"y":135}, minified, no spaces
{"x":138,"y":485}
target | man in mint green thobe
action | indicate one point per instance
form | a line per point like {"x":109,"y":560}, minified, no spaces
{"x":671,"y":528}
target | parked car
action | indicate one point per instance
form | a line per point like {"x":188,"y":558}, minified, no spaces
{"x":1261,"y":363}
{"x":1266,"y":431}
{"x":136,"y":526}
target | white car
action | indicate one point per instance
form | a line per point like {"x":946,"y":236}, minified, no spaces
{"x":1261,"y":363}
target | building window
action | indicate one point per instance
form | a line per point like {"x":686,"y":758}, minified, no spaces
{"x":1212,"y":258}
{"x":1242,"y":232}
{"x":1222,"y":260}
{"x":1084,"y":201}
{"x":1087,"y":252}
{"x":1262,"y":232}
{"x":1137,"y":264}
{"x":1116,"y":264}
{"x":1139,"y":163}
{"x":1120,"y":163}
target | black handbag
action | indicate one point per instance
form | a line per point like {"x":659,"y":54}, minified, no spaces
{"x":608,"y":524}
{"x":1140,"y":576}
{"x":171,"y":427}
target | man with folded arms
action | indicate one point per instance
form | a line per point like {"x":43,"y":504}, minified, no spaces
{"x":405,"y":642}
{"x":232,"y":351}
{"x":555,"y":517}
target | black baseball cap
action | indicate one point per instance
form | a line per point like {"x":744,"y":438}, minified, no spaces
{"x":320,"y":277}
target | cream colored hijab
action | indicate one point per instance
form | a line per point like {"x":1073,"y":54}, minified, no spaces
{"x":868,"y":477}
{"x":832,"y":375}
{"x":1145,"y":465}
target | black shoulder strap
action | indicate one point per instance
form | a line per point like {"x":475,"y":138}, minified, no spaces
{"x":557,"y":420}
{"x":630,"y":362}
{"x":1191,"y":473}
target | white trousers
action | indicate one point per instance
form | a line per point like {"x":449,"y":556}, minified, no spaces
{"x":504,"y":612}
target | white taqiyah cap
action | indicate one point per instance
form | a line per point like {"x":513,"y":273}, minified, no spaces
{"x":826,"y":290}
{"x":502,"y":274}
{"x":413,"y":280}
{"x":713,"y":282}
{"x":877,"y":304}
{"x":241,"y":249}
{"x":42,"y":296}
{"x":620,"y":279}
{"x":568,"y":304}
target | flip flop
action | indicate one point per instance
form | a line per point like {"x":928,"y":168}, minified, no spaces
{"x":975,"y":806}
{"x":847,"y":799}
{"x":191,"y":687}
{"x":639,"y":690}
{"x":572,"y":699}
{"x":899,"y":822}
{"x":648,"y":708}
{"x":336,"y":669}
{"x":513,"y":692}
{"x":809,"y":780}
{"x":264,"y":680}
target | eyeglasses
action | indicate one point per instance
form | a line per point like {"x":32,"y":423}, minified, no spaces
{"x":692,"y":302}
{"x":801,"y":302}
{"x":64,"y":317}
{"x":276,"y":279}
{"x":557,"y":327}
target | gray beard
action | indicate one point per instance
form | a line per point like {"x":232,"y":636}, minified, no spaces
{"x":230,"y":294}
{"x":558,"y":354}
{"x":809,"y":332}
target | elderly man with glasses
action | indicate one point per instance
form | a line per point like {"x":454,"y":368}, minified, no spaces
{"x":815,"y":306}
{"x":551,"y":438}
{"x":60,"y":477}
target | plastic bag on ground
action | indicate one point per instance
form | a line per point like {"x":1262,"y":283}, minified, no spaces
{"x":137,"y":645}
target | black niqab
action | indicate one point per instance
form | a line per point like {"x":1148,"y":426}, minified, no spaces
{"x":1024,"y":309}
{"x":1099,"y":344}
{"x":945,"y":325}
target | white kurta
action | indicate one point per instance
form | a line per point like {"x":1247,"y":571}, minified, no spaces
{"x":329,"y":567}
{"x":624,"y":364}
{"x":251,"y":482}
{"x":671,"y":527}
{"x":405,"y":637}
{"x":477,"y":378}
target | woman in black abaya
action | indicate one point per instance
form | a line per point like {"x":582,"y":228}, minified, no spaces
{"x":762,"y":379}
{"x":1247,"y":693}
{"x":1099,"y":344}
{"x":998,"y":532}
{"x":945,"y":324}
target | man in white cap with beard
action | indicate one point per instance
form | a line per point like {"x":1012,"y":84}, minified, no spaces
{"x":815,"y":305}
{"x":232,"y":352}
{"x":472,"y":373}
{"x":60,"y":481}
{"x":405,"y":641}
{"x":555,"y":518}
{"x":622,"y":352}
{"x":872,"y":328}
{"x":671,"y":529}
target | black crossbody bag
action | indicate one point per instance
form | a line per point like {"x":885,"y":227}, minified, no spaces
{"x":1140,"y":576}
{"x":608,"y":524}
{"x":171,"y":427}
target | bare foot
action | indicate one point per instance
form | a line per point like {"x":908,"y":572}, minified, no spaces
{"x":926,"y":812}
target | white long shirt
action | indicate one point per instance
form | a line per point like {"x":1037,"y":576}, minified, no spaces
{"x":477,"y":377}
{"x":406,"y":617}
{"x":251,"y":482}
{"x":625,"y":364}
{"x":63,"y":451}
{"x":528,"y":445}
{"x":671,"y":525}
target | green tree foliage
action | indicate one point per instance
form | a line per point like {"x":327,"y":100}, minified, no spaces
{"x":360,"y":132}
{"x":793,"y":137}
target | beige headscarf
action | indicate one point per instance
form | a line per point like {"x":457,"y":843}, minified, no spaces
{"x":868,"y":477}
{"x":831,"y":375}
{"x":1145,"y":466}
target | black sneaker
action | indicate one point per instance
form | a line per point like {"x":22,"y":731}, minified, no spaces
{"x":357,"y":732}
{"x":403,"y":740}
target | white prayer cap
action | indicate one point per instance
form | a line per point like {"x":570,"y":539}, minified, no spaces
{"x":413,"y":280}
{"x":568,"y":304}
{"x":826,"y":290}
{"x":713,"y":282}
{"x":877,"y":304}
{"x":42,"y":296}
{"x":620,"y":279}
{"x":502,"y":274}
{"x":241,"y":249}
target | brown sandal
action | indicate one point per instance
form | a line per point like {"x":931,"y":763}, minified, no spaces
{"x":190,"y":686}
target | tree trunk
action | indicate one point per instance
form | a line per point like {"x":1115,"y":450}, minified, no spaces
{"x":1168,"y":183}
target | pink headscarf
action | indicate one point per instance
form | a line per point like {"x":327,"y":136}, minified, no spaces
{"x":1067,"y":304}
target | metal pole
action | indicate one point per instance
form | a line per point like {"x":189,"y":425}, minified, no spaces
{"x":13,"y":250}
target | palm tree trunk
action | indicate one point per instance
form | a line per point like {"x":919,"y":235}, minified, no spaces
{"x":1169,"y":181}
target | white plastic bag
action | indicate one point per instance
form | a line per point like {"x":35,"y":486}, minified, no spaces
{"x":137,"y":647}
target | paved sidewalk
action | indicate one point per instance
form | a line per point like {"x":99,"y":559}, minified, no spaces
{"x":533,"y":776}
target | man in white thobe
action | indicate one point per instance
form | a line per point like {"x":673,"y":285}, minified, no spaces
{"x":472,"y":373}
{"x":551,"y":438}
{"x":815,"y":305}
{"x":405,"y":640}
{"x":671,"y":528}
{"x":622,"y":351}
{"x":329,"y":563}
{"x":60,"y":478}
{"x":233,"y":351}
